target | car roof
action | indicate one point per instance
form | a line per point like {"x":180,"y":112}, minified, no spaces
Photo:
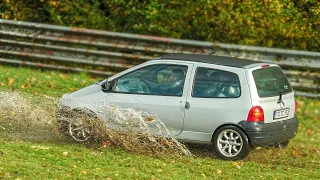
{"x":211,"y":59}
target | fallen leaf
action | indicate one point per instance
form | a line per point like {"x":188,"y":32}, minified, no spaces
{"x":149,"y":119}
{"x":316,"y":151}
{"x":164,"y":142}
{"x":10,"y":81}
{"x":236,"y":164}
{"x":309,"y":132}
{"x":296,"y":152}
{"x":105,"y":144}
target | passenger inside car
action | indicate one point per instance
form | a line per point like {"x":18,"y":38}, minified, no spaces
{"x":228,"y":85}
{"x":217,"y":84}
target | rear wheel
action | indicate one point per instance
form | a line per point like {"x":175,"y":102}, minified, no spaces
{"x":231,"y":143}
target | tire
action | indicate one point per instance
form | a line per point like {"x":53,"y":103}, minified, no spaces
{"x":77,"y":125}
{"x":230,"y":143}
{"x":63,"y":117}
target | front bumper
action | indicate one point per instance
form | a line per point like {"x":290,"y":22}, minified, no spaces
{"x":262,"y":134}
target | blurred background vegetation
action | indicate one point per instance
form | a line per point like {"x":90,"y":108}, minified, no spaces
{"x":290,"y":24}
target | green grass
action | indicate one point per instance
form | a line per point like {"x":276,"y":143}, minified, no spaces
{"x":37,"y":82}
{"x":46,"y":160}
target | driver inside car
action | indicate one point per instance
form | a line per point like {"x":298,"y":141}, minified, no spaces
{"x":176,"y":81}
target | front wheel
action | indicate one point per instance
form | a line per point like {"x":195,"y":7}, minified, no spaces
{"x":231,"y":143}
{"x":80,"y":129}
{"x":76,"y":124}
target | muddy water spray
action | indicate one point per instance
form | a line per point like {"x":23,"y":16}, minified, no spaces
{"x":35,"y":118}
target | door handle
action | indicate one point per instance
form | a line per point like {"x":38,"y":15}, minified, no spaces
{"x":187,"y":105}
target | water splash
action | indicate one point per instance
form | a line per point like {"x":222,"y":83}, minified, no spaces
{"x":142,"y":132}
{"x":27,"y":118}
{"x":34,"y":118}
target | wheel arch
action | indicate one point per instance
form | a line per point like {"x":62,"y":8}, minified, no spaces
{"x":86,"y":110}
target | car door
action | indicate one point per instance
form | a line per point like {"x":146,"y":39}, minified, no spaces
{"x":149,"y":89}
{"x":216,"y":97}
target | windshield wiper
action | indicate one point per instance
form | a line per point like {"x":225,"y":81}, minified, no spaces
{"x":280,"y":97}
{"x":280,"y":92}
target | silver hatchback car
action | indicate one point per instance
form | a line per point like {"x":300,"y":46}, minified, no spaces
{"x":228,"y":102}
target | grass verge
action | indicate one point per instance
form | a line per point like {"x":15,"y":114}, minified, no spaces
{"x":48,"y":159}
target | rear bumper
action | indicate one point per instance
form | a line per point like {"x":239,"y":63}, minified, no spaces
{"x":261,"y":134}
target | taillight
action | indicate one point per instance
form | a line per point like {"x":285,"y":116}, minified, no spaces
{"x":295,"y":106}
{"x":255,"y":114}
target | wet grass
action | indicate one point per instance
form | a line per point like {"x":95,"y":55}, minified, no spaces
{"x":49,"y":159}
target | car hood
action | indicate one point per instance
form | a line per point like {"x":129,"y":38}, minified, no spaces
{"x":92,"y":89}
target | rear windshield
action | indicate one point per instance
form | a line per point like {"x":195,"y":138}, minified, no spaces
{"x":271,"y":82}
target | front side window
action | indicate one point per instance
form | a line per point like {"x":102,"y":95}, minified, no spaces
{"x":213,"y":83}
{"x":271,"y":82}
{"x":161,"y":79}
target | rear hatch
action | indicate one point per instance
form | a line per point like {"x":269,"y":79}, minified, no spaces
{"x":271,"y":90}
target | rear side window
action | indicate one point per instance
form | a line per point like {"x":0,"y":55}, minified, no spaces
{"x":271,"y":82}
{"x":213,"y":83}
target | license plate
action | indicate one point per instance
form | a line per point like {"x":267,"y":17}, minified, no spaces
{"x":282,"y":113}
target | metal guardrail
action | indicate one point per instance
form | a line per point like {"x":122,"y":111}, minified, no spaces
{"x":104,"y":53}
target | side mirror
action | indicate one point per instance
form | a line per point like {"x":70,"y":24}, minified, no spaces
{"x":105,"y":87}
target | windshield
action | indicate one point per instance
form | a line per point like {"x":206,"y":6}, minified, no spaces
{"x":271,"y":82}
